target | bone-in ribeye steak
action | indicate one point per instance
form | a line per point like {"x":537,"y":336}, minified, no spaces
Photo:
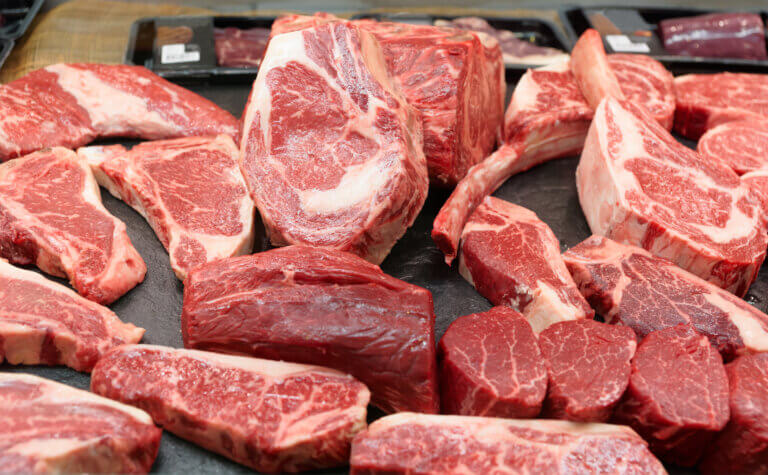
{"x":239,"y":407}
{"x":454,"y":78}
{"x":705,"y":101}
{"x":51,"y":216}
{"x":420,"y":443}
{"x":677,"y":398}
{"x":629,"y":286}
{"x":317,"y":306}
{"x":588,"y":363}
{"x":490,"y":365}
{"x":512,"y":258}
{"x":190,"y":190}
{"x":49,"y":427}
{"x":639,"y":186}
{"x":42,"y":322}
{"x":742,"y":145}
{"x":70,"y":105}
{"x":548,"y":118}
{"x":331,"y":151}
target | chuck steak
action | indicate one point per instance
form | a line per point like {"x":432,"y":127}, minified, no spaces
{"x":512,"y":258}
{"x":677,"y":398}
{"x":629,"y":286}
{"x":331,"y":151}
{"x":42,"y":322}
{"x":420,"y":443}
{"x":190,"y":190}
{"x":51,"y":216}
{"x":742,"y":447}
{"x":588,"y":365}
{"x":70,"y":105}
{"x":742,"y":145}
{"x":49,"y":427}
{"x":639,"y":186}
{"x":317,"y":306}
{"x":490,"y":365}
{"x":239,"y":407}
{"x":705,"y":101}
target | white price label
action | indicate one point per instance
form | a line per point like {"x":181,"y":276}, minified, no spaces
{"x":622,"y":44}
{"x":178,"y":53}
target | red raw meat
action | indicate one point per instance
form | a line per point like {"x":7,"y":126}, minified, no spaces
{"x":70,"y":105}
{"x":240,"y":47}
{"x":268,"y":415}
{"x":317,"y":306}
{"x":589,"y":364}
{"x":677,"y":397}
{"x":742,"y":145}
{"x":490,"y":365}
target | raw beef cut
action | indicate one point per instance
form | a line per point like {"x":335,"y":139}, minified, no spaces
{"x":268,"y":415}
{"x":70,"y":105}
{"x":51,"y":216}
{"x":512,"y":258}
{"x":454,"y":78}
{"x":548,"y":118}
{"x":316,"y":306}
{"x":331,"y":151}
{"x":240,"y":47}
{"x":490,"y":365}
{"x":592,"y":71}
{"x":420,"y":443}
{"x":588,"y":365}
{"x":639,"y":186}
{"x":677,"y":398}
{"x":49,"y":427}
{"x":705,"y":101}
{"x":190,"y":190}
{"x":42,"y":322}
{"x":629,"y":286}
{"x":742,"y":145}
{"x":757,"y":182}
{"x":716,"y":35}
{"x":742,"y":447}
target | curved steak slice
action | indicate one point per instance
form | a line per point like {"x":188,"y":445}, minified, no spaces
{"x":331,"y":151}
{"x":238,"y":407}
{"x":742,"y":145}
{"x":490,"y":365}
{"x":42,"y":322}
{"x":512,"y":258}
{"x":420,"y":443}
{"x":190,"y":190}
{"x":49,"y":427}
{"x":629,"y":286}
{"x":317,"y":306}
{"x":51,"y":216}
{"x":705,"y":101}
{"x":639,"y":186}
{"x":71,"y":104}
{"x":757,"y":182}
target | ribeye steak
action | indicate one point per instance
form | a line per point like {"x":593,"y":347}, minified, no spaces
{"x":331,"y":151}
{"x":512,"y":258}
{"x":490,"y":365}
{"x":316,"y":306}
{"x":42,"y":322}
{"x":271,"y":416}
{"x":677,"y":398}
{"x":639,"y":186}
{"x":705,"y":101}
{"x":190,"y":190}
{"x":49,"y":427}
{"x":420,"y":443}
{"x":742,"y":145}
{"x":51,"y":216}
{"x":70,"y":105}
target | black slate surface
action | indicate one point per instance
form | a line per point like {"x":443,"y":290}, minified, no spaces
{"x":549,"y":190}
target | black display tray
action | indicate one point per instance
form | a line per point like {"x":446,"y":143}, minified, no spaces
{"x":142,"y":36}
{"x":630,"y":19}
{"x":6,"y":46}
{"x":17,"y":16}
{"x":548,"y":189}
{"x":539,"y":31}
